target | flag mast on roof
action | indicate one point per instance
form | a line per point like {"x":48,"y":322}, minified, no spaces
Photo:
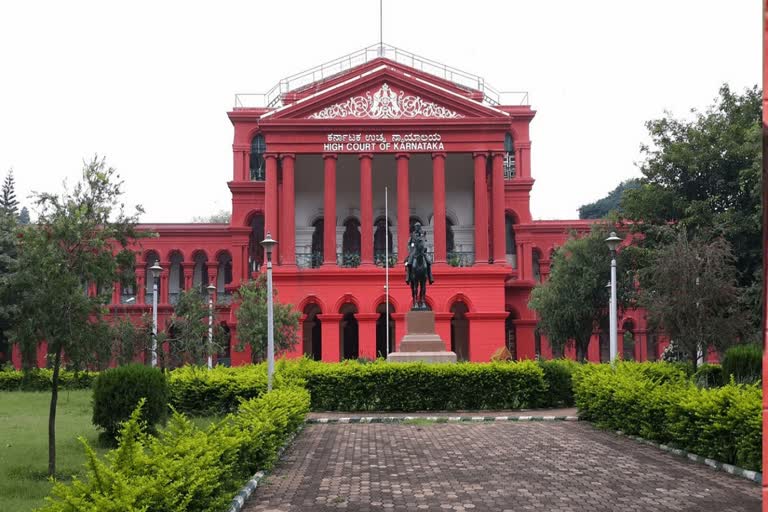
{"x":381,"y":28}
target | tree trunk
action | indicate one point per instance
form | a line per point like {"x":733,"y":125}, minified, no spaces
{"x":52,"y":414}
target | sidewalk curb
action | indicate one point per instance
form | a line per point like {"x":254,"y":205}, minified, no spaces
{"x":436,"y":419}
{"x":754,"y":476}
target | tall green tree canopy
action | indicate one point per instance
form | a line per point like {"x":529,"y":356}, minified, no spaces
{"x":690,"y":292}
{"x":252,"y":319}
{"x":187,"y":333}
{"x":8,"y":202}
{"x":573,"y":302}
{"x":72,"y":246}
{"x":610,"y":203}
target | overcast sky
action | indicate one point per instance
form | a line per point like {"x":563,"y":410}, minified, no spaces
{"x":148,"y":84}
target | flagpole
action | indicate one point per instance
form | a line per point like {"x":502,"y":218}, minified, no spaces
{"x":386,"y":261}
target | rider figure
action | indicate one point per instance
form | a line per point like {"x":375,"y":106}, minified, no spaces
{"x":415,"y":236}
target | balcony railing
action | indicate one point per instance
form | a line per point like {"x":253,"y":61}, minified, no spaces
{"x":461,"y":259}
{"x":274,"y":97}
{"x":379,"y":259}
{"x":309,"y":259}
{"x":348,"y":259}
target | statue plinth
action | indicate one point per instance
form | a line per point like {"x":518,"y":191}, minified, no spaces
{"x":421,"y":342}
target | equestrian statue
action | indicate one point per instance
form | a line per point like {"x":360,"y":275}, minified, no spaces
{"x":418,"y":268}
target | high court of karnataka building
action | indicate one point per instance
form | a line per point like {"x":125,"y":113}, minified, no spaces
{"x":311,"y":161}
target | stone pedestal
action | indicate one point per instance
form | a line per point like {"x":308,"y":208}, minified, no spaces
{"x":421,"y":342}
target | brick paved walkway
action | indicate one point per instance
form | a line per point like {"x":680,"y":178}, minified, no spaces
{"x":548,"y":466}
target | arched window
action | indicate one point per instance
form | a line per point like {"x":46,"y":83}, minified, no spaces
{"x":511,"y":244}
{"x":460,"y":330}
{"x":509,"y":157}
{"x":317,"y":243}
{"x":258,"y":148}
{"x":255,"y":249}
{"x":223,"y":277}
{"x":536,"y":265}
{"x":200,"y":274}
{"x":350,"y":243}
{"x":381,"y":237}
{"x":175,"y":277}
{"x":450,"y":245}
{"x":152,"y":258}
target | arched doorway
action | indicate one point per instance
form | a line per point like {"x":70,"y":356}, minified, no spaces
{"x":605,"y":346}
{"x":510,"y":338}
{"x":349,"y":332}
{"x":312,"y":332}
{"x":381,"y":330}
{"x":460,"y":331}
{"x":225,"y":354}
{"x":255,"y":250}
{"x":350,"y":243}
{"x":381,"y":237}
{"x":628,"y":340}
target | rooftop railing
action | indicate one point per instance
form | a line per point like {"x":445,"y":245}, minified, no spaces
{"x":273,"y":98}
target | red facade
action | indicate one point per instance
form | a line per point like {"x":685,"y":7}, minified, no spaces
{"x":311,"y":167}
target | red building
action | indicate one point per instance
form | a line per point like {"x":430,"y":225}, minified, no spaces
{"x":311,"y":161}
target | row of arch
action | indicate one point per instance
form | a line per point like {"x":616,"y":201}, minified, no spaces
{"x":349,"y":333}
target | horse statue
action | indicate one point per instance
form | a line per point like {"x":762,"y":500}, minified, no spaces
{"x":417,"y":273}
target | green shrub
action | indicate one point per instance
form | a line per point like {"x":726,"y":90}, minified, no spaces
{"x":184,"y":468}
{"x":382,"y":386}
{"x":558,"y":376}
{"x":39,"y":379}
{"x":708,"y":376}
{"x":722,"y":423}
{"x":116,"y":393}
{"x":743,"y":362}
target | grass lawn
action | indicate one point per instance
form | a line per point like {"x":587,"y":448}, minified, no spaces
{"x":24,"y":444}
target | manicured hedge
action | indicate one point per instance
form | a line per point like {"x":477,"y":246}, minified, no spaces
{"x":382,"y":386}
{"x":184,"y":468}
{"x":708,"y":376}
{"x":744,"y":363}
{"x":721,"y":423}
{"x":39,"y":379}
{"x":558,"y":376}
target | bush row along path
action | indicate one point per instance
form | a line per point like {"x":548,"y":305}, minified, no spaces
{"x":552,"y":466}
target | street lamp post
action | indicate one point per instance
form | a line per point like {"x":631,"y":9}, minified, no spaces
{"x":268,"y":243}
{"x":155,"y":269}
{"x":613,"y":242}
{"x":211,"y":289}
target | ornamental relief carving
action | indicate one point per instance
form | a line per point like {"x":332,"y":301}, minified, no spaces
{"x":386,"y":104}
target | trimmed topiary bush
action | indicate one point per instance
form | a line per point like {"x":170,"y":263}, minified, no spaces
{"x":744,"y":363}
{"x":117,"y":392}
{"x":558,"y":376}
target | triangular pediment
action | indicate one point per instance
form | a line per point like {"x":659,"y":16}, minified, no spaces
{"x":384,"y":93}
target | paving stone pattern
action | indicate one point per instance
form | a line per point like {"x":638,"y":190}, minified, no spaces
{"x":516,"y":466}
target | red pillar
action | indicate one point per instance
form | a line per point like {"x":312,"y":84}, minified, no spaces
{"x":366,"y":328}
{"x":481,"y":210}
{"x":366,"y":213}
{"x":163,"y":298}
{"x":288,"y":242}
{"x":241,"y":154}
{"x":497,"y":175}
{"x":270,"y":197}
{"x":403,"y":206}
{"x":524,"y":163}
{"x":140,"y":286}
{"x":189,"y":268}
{"x":329,"y":325}
{"x":329,"y":217}
{"x":438,"y":201}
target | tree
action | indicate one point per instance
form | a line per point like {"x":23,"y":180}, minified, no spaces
{"x":690,"y":292}
{"x":612,"y":202}
{"x":573,"y":302}
{"x":24,"y":215}
{"x":704,"y":175}
{"x":8,"y":264}
{"x":219,"y":217}
{"x":8,"y":203}
{"x":187,"y":333}
{"x":252,"y":319}
{"x":79,"y":240}
{"x":130,"y":339}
